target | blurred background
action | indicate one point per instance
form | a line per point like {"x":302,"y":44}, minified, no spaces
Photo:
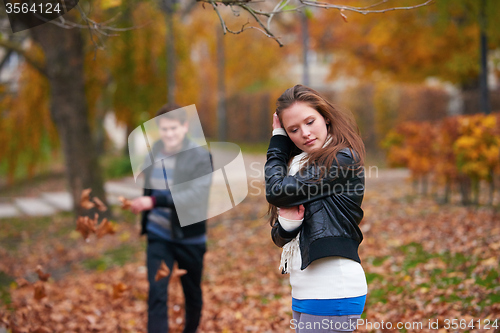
{"x":422,"y":84}
{"x":80,"y":92}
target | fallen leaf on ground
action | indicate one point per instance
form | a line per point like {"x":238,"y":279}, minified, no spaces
{"x":22,"y":283}
{"x":119,"y":289}
{"x":39,"y":291}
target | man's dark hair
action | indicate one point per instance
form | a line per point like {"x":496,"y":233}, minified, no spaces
{"x":164,"y":113}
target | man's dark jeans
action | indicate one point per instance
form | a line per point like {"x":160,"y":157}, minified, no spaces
{"x":188,"y":257}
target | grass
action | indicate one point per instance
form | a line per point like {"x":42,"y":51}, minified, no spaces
{"x":13,"y":231}
{"x":116,"y":166}
{"x":444,"y":278}
{"x":114,"y":257}
{"x":5,"y":282}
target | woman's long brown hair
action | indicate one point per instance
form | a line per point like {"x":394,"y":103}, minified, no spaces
{"x":341,"y":126}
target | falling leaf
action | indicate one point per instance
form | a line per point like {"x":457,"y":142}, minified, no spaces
{"x":82,"y":226}
{"x":39,"y":291}
{"x":126,"y":203}
{"x":41,"y":275}
{"x":85,"y":202}
{"x":118,"y":289}
{"x":162,"y":272}
{"x":100,"y":205}
{"x":104,"y":228}
{"x":178,"y":273}
{"x":86,"y":226}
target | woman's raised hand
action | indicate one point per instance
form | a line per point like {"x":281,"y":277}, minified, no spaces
{"x":276,"y":121}
{"x":292,"y":213}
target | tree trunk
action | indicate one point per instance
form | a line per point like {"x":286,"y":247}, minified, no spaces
{"x":483,"y":76}
{"x":305,"y":48}
{"x":465,"y":184}
{"x":221,"y":87}
{"x":447,"y":190}
{"x":171,"y":58}
{"x":63,"y":49}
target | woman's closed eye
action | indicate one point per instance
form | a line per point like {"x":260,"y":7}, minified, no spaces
{"x":308,"y":123}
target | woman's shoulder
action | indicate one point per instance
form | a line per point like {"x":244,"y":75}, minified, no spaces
{"x":346,"y":156}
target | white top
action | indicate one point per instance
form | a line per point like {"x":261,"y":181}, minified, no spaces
{"x":325,"y":278}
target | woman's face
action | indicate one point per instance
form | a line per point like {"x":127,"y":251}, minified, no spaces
{"x":305,"y":126}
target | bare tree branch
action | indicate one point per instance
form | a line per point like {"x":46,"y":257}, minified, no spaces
{"x":266,"y":31}
{"x":361,"y":10}
{"x":282,"y":4}
{"x":222,"y":22}
{"x":252,"y":12}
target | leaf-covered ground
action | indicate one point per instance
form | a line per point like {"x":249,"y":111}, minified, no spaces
{"x":423,"y":263}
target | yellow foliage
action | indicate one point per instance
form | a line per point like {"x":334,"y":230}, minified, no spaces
{"x":464,"y":144}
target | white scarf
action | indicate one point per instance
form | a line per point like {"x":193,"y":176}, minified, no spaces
{"x":291,"y":248}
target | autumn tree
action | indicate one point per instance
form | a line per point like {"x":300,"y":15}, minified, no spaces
{"x":439,"y":40}
{"x":73,"y":93}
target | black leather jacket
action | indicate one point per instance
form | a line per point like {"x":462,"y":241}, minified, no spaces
{"x":332,"y":205}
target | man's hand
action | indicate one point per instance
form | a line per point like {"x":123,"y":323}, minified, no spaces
{"x":292,"y":213}
{"x":140,"y":204}
{"x":276,"y":122}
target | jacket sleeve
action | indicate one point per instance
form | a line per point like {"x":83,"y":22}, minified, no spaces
{"x":280,"y":236}
{"x":283,"y":190}
{"x":164,"y":200}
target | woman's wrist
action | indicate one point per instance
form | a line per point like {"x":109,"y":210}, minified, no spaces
{"x":279,"y":131}
{"x":288,"y":224}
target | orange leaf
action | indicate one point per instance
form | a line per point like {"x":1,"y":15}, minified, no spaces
{"x":86,"y":226}
{"x":22,"y":283}
{"x":162,"y":272}
{"x":81,"y":226}
{"x":100,"y":205}
{"x":119,"y":289}
{"x":41,"y":275}
{"x":106,"y":227}
{"x":85,"y":202}
{"x":39,"y":291}
{"x":178,"y":273}
{"x":126,"y":203}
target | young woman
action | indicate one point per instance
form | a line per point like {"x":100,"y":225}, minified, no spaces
{"x":315,"y":186}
